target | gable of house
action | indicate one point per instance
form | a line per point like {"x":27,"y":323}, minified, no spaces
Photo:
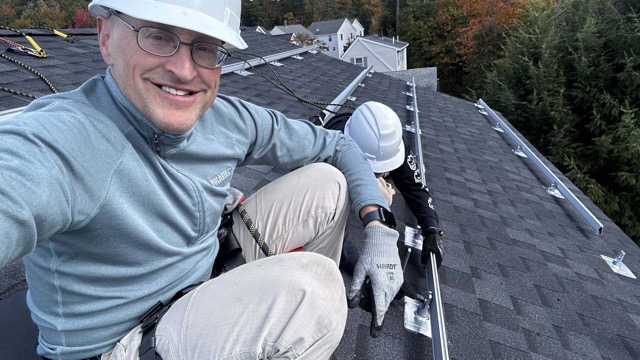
{"x":357,"y":27}
{"x":384,"y":54}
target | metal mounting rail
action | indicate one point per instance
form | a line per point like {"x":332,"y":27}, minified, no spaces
{"x":424,"y":316}
{"x":557,"y":188}
{"x":345,"y":94}
{"x":415,"y":128}
{"x":244,"y":64}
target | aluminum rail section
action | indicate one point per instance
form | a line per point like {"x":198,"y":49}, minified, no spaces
{"x":425,"y":316}
{"x":345,"y":95}
{"x":417,"y":131}
{"x":244,"y":64}
{"x":556,"y":184}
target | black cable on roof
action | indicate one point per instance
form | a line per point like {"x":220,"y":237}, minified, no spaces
{"x":281,"y":85}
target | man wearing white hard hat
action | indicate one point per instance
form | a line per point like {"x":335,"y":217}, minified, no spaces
{"x":377,"y":130}
{"x":115,"y":192}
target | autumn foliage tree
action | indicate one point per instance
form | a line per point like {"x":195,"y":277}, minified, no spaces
{"x":55,"y":14}
{"x":483,"y":35}
{"x":83,"y":19}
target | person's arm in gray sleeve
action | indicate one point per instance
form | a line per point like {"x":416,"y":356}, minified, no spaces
{"x":29,"y":189}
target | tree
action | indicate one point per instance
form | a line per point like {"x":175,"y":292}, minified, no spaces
{"x":83,"y":19}
{"x":570,"y":82}
{"x":482,"y":37}
{"x":7,"y":13}
{"x":301,"y":39}
{"x":442,"y":21}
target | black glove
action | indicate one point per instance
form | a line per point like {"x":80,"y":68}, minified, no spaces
{"x":432,"y":243}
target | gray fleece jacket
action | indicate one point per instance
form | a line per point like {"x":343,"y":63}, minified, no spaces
{"x":112,"y":215}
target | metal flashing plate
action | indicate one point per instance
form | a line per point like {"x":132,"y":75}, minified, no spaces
{"x":243,"y":72}
{"x":412,"y":321}
{"x":412,"y":238}
{"x":621,"y":268}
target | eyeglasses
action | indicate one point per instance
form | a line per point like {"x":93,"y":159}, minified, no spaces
{"x":164,"y":43}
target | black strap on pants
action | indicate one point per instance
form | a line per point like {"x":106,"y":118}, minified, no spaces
{"x":147,"y":349}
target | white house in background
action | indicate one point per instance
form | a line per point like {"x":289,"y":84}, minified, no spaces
{"x":383,"y":53}
{"x":335,"y":33}
{"x":357,"y":27}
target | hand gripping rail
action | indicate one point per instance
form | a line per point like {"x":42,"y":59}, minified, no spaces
{"x":424,"y":316}
{"x":556,"y":185}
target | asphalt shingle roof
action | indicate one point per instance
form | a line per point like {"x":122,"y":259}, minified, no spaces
{"x":387,"y":41}
{"x":522,"y":276}
{"x":290,"y":29}
{"x":326,"y":27}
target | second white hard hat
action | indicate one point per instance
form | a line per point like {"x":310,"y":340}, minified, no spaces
{"x":216,"y":18}
{"x":377,"y":130}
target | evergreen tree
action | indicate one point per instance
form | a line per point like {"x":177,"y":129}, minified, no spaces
{"x":570,"y":82}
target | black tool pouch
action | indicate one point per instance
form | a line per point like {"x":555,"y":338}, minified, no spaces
{"x":230,"y":252}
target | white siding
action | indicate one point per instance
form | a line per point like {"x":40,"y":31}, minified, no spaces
{"x":332,"y":45}
{"x":358,"y":50}
{"x":382,"y":58}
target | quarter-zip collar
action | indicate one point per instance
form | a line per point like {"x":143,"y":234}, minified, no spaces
{"x":160,"y":142}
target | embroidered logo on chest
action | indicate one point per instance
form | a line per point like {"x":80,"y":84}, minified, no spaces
{"x":220,"y":177}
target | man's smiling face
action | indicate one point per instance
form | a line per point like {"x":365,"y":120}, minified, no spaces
{"x":171,"y":92}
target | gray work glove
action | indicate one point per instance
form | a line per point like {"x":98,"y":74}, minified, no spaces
{"x":380,"y":263}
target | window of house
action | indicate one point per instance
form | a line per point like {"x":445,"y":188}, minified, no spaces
{"x":360,"y":61}
{"x":341,"y":37}
{"x":329,"y":37}
{"x":334,"y":48}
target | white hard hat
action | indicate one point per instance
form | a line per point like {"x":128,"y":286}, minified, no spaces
{"x":378,"y":132}
{"x":216,"y":18}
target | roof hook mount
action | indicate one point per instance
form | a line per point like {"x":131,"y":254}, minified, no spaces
{"x":617,"y":266}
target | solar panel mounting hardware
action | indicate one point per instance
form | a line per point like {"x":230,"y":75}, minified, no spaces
{"x":412,"y":239}
{"x":417,"y":316}
{"x":243,"y":72}
{"x":412,"y":128}
{"x":553,"y":190}
{"x":618,"y":266}
{"x":518,"y":151}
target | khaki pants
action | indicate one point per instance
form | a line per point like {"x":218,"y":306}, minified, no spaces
{"x":289,"y":306}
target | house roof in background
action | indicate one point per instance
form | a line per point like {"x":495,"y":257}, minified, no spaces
{"x":290,"y":29}
{"x":384,"y":41}
{"x":327,"y":27}
{"x":356,"y":24}
{"x":522,"y":276}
